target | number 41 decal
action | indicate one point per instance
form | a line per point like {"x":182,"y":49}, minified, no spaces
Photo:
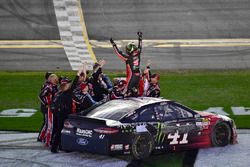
{"x":176,"y":136}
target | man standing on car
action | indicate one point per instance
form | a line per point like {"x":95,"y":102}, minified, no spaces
{"x":132,"y":57}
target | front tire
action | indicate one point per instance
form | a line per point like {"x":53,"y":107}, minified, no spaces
{"x":142,"y":145}
{"x":221,"y":134}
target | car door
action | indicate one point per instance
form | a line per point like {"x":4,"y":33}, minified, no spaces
{"x":185,"y":125}
{"x":154,"y":116}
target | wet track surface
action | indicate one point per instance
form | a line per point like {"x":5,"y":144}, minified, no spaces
{"x":21,"y":149}
{"x":230,"y":156}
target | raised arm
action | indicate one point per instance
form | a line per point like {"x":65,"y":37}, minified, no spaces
{"x":98,"y":70}
{"x":139,"y":40}
{"x":118,"y":52}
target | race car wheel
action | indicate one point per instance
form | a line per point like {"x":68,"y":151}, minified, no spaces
{"x":142,"y":145}
{"x":221,"y":134}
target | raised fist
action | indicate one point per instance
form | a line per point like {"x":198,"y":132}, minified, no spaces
{"x":112,"y":41}
{"x":139,"y":33}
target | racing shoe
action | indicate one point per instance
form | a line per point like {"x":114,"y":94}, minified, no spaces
{"x":53,"y":150}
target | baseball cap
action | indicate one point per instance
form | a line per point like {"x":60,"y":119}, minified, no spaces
{"x":155,"y":75}
{"x":83,"y":86}
{"x":64,"y":80}
{"x":121,"y":83}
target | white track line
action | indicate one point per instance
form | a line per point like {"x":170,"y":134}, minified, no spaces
{"x":71,"y":33}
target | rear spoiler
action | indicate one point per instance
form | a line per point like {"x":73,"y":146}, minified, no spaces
{"x":87,"y":119}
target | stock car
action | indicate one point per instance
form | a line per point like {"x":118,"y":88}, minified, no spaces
{"x":141,"y":126}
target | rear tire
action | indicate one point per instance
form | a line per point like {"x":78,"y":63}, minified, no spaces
{"x":142,"y":145}
{"x":221,"y":134}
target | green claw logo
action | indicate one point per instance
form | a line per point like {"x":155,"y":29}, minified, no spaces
{"x":160,"y":136}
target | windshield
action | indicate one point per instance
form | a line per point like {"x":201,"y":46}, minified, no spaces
{"x":114,"y":109}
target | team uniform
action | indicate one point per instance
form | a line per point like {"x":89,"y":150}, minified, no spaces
{"x":117,"y":92}
{"x":46,"y":96}
{"x":100,"y":88}
{"x":132,"y":60}
{"x":81,"y":100}
{"x":44,"y":110}
{"x":61,"y":107}
{"x":153,"y":90}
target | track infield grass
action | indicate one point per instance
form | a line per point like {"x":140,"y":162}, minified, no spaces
{"x":197,"y":90}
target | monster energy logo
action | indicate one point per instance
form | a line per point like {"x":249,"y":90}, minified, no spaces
{"x":160,"y":136}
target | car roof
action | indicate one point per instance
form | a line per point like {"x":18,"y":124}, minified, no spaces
{"x":118,"y":108}
{"x":142,"y":101}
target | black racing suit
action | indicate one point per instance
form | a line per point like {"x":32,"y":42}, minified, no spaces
{"x":82,"y":100}
{"x":133,"y":71}
{"x":116,"y":94}
{"x":100,"y":88}
{"x":153,"y":90}
{"x":61,"y":107}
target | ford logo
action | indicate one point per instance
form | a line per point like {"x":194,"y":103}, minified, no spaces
{"x":82,"y":141}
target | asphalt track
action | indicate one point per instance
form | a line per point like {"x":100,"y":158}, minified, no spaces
{"x":167,"y":19}
{"x":21,"y":149}
{"x":158,"y":20}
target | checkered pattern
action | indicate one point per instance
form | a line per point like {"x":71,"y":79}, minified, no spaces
{"x":71,"y":33}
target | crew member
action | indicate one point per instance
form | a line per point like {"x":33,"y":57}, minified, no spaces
{"x":44,"y":110}
{"x":154,"y":86}
{"x":100,"y":88}
{"x":151,"y":82}
{"x":82,"y":98}
{"x":117,"y":92}
{"x":62,"y":106}
{"x":46,"y":96}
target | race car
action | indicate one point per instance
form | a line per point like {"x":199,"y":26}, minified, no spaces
{"x":144,"y":125}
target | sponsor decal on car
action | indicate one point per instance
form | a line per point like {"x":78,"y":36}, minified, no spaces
{"x":141,"y":128}
{"x":126,"y":152}
{"x":160,"y":136}
{"x":126,"y":146}
{"x":116,"y":147}
{"x":204,"y":123}
{"x":82,"y":141}
{"x":66,"y":131}
{"x":84,"y":132}
{"x":127,"y":128}
{"x":159,"y":147}
{"x":101,"y":136}
{"x":176,"y":138}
